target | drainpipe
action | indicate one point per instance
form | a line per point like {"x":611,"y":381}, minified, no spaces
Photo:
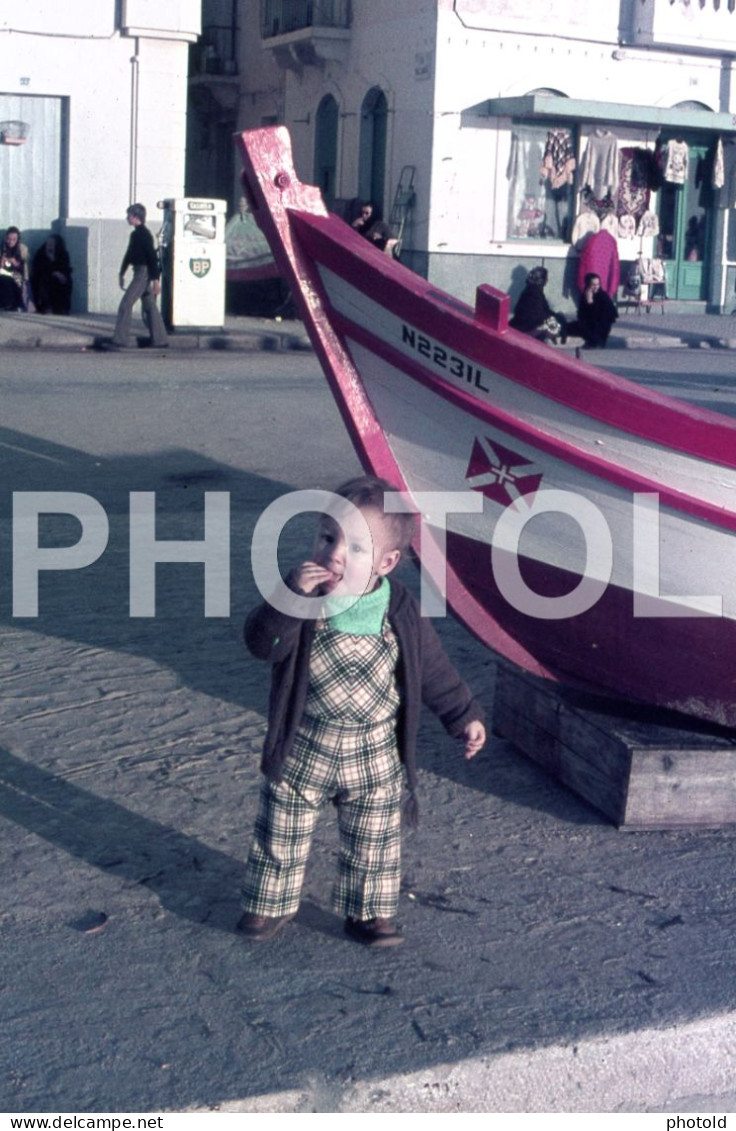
{"x":134,"y":95}
{"x":234,"y":34}
{"x":727,"y":71}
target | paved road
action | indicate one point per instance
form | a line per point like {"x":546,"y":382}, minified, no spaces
{"x":703,"y":377}
{"x":552,"y":963}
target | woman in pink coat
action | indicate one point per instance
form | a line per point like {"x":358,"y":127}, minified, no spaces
{"x":600,"y":257}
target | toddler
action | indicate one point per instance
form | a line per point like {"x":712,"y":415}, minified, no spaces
{"x":346,"y":694}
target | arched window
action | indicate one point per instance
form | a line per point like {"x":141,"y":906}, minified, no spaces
{"x":692,"y":104}
{"x":325,"y":148}
{"x":548,"y":92}
{"x":372,"y":162}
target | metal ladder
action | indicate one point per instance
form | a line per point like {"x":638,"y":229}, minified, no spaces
{"x":404,"y":199}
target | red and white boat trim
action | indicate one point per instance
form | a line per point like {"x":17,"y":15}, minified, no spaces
{"x":439,"y":397}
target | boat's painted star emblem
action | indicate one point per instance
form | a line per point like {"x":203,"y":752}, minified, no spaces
{"x":500,"y":474}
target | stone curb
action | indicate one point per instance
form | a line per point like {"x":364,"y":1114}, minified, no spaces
{"x":654,"y":342}
{"x":238,"y":343}
{"x":278,"y":342}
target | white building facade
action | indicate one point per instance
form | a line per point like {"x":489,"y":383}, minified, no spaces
{"x":446,"y":112}
{"x":93,"y":100}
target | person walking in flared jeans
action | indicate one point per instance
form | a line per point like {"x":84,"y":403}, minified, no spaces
{"x":145,"y":285}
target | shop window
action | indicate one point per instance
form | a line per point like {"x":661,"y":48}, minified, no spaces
{"x":540,"y":174}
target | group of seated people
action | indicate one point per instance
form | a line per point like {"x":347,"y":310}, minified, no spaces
{"x":42,"y":284}
{"x":533,"y":315}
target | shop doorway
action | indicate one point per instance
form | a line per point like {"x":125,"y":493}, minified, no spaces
{"x":325,"y":149}
{"x":685,"y":214}
{"x":372,"y":160}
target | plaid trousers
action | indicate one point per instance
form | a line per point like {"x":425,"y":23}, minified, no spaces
{"x":351,"y":759}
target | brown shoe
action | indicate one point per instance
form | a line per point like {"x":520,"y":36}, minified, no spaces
{"x":374,"y":932}
{"x":262,"y":928}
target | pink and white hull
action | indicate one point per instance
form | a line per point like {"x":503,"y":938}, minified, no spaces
{"x":604,"y":553}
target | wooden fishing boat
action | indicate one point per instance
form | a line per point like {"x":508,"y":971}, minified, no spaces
{"x":604,"y":552}
{"x":248,"y":256}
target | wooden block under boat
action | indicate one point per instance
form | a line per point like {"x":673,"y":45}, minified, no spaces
{"x":641,"y":769}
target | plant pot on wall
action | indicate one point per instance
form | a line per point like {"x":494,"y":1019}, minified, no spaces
{"x":13,"y":132}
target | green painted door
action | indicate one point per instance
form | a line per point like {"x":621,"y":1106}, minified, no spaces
{"x":685,"y":213}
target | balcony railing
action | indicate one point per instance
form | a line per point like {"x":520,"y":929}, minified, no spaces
{"x":280,"y":17}
{"x":216,"y":51}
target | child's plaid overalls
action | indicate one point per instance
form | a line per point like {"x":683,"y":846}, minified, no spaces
{"x":345,"y":750}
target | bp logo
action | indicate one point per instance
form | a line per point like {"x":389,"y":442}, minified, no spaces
{"x":200,"y":267}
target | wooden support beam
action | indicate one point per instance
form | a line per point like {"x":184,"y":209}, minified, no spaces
{"x":641,"y":769}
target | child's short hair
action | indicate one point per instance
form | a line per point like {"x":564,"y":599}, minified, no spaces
{"x":368,"y":491}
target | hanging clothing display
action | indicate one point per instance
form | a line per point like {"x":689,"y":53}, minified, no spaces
{"x":648,"y":225}
{"x":530,"y":219}
{"x":609,"y":223}
{"x":526,"y":202}
{"x":626,"y":227}
{"x":600,"y":164}
{"x":586,"y":224}
{"x":633,"y":184}
{"x":558,"y":163}
{"x":538,"y":209}
{"x":600,"y":257}
{"x":646,"y":171}
{"x":653,"y":271}
{"x":601,"y":206}
{"x":633,"y":283}
{"x":675,"y":159}
{"x":718,"y":178}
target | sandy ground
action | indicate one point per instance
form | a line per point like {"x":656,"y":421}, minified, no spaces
{"x":552,"y":963}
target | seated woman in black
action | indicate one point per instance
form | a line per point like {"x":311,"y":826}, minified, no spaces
{"x":13,"y":271}
{"x":366,"y":217}
{"x":51,"y":277}
{"x":596,"y":315}
{"x":533,"y":315}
